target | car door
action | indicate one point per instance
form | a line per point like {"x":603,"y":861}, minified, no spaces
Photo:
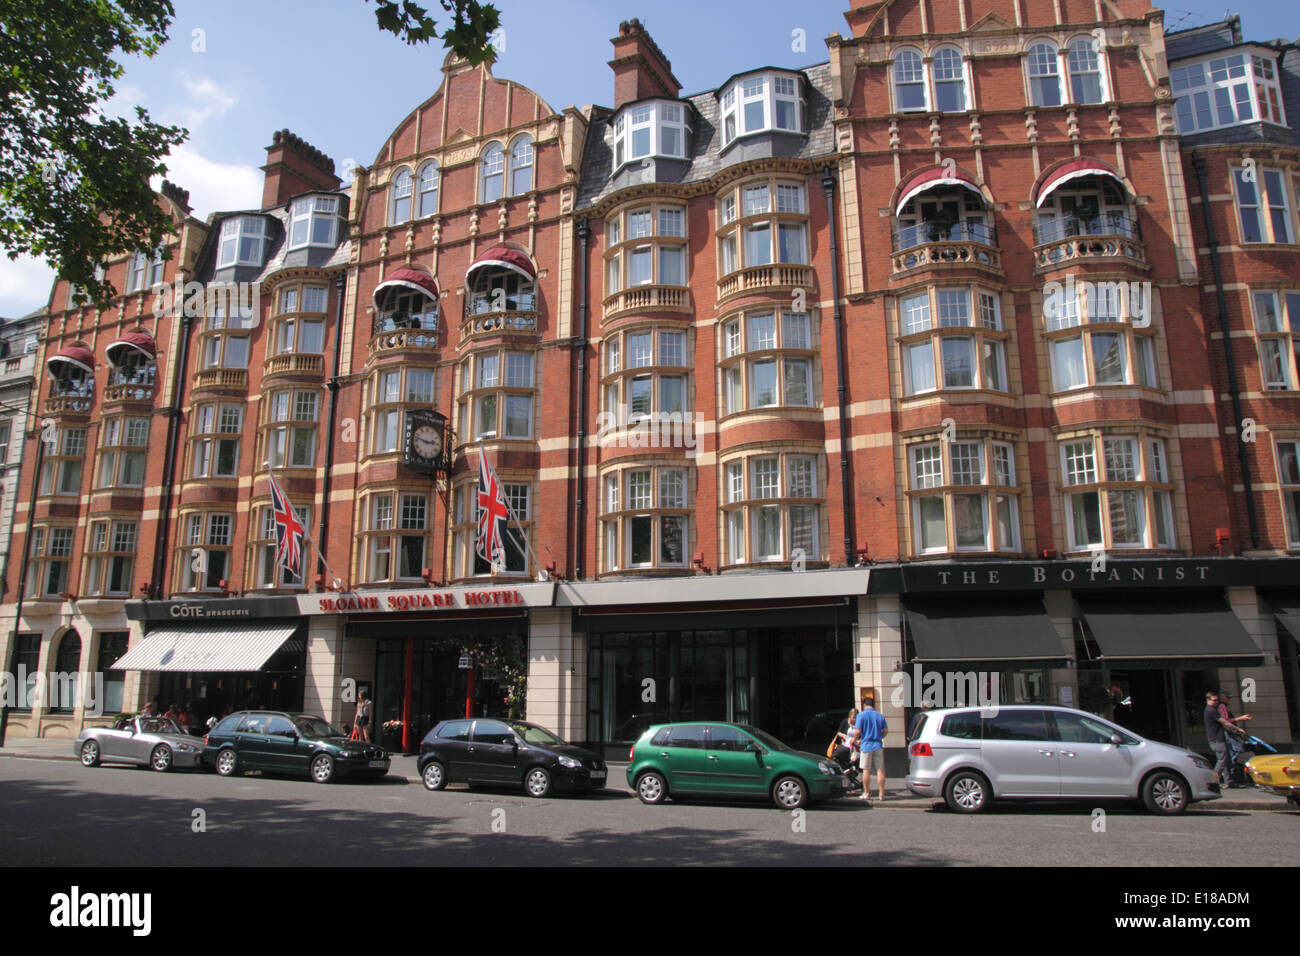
{"x":684,"y":757}
{"x":1017,"y":754}
{"x":492,"y":754}
{"x":1090,"y":765}
{"x":283,"y":749}
{"x":733,"y":762}
{"x":251,"y":742}
{"x":116,"y":744}
{"x":452,"y":749}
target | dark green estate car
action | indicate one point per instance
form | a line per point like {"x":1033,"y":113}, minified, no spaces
{"x":296,"y":744}
{"x":728,"y":760}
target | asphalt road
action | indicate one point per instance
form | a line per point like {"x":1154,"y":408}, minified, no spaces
{"x":60,"y":813}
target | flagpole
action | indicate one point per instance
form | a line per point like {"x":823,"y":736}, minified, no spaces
{"x":307,"y":534}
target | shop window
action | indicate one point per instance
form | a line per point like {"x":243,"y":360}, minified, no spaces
{"x":65,"y":681}
{"x":110,"y":557}
{"x":112,"y":646}
{"x":963,"y":496}
{"x":1118,"y":493}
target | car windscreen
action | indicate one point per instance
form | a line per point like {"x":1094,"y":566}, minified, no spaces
{"x":766,"y":739}
{"x":532,"y":734}
{"x":158,"y":725}
{"x":316,"y":728}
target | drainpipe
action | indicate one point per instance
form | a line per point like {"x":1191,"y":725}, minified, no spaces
{"x":579,"y":538}
{"x":1198,"y":163}
{"x":333,"y":386}
{"x":846,"y":479}
{"x":158,"y":584}
{"x":22,"y":577}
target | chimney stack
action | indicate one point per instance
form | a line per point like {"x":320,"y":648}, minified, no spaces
{"x":294,"y":166}
{"x":640,"y":67}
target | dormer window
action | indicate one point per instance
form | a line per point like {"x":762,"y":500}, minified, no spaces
{"x":241,"y":242}
{"x":313,"y":221}
{"x":761,"y":102}
{"x":1226,"y":91}
{"x":655,"y":128}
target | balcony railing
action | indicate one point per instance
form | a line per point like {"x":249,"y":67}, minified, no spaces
{"x":294,"y":363}
{"x":923,"y":233}
{"x":499,"y":323}
{"x":399,"y":341}
{"x":774,"y":277}
{"x":68,"y":404}
{"x":127,"y":392}
{"x":231,"y":378}
{"x":1058,"y":241}
{"x":648,"y":298}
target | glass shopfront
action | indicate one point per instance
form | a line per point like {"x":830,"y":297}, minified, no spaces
{"x":277,"y":686}
{"x":788,"y":681}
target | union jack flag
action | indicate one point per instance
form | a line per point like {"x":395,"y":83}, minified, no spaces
{"x":493,"y":515}
{"x":288,"y":531}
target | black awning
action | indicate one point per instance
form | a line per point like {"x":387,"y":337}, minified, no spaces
{"x":1288,"y":614}
{"x":1188,"y":627}
{"x":1009,"y":630}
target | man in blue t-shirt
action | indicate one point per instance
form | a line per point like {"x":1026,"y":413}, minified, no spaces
{"x":869,"y":730}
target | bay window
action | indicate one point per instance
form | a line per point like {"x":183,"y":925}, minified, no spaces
{"x":496,"y":396}
{"x":963,"y":496}
{"x":466,"y":561}
{"x":214,"y":441}
{"x":952,"y":338}
{"x":1091,"y":340}
{"x":313,"y":221}
{"x":768,"y":361}
{"x":110,"y":557}
{"x":646,"y":374}
{"x":1264,"y":205}
{"x":761,"y":102}
{"x":204,"y":557}
{"x":1277,"y":326}
{"x":122,"y":455}
{"x":1288,"y":467}
{"x":395,"y":536}
{"x":772,"y":508}
{"x":291,"y":431}
{"x":1227,"y":90}
{"x":1117,"y":493}
{"x":266,"y":572}
{"x":645,"y":518}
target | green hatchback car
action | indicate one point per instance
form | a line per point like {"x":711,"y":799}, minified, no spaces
{"x":716,"y":759}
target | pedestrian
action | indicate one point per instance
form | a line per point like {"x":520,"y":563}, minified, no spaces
{"x":1235,"y":736}
{"x":869,"y":732}
{"x":1215,"y":725}
{"x":843,"y":753}
{"x":363,"y":716}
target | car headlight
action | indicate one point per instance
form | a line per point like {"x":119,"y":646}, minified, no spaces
{"x":570,"y":763}
{"x":1200,"y":761}
{"x":828,"y":768}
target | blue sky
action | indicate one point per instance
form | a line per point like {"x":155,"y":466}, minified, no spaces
{"x":324,"y":70}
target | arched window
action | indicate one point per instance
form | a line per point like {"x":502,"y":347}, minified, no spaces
{"x":493,"y":173}
{"x":949,"y":80}
{"x":909,"y":81}
{"x":1085,"y":72}
{"x":428,"y":193}
{"x":1044,"y":68}
{"x":403,"y":183}
{"x":521,"y":165}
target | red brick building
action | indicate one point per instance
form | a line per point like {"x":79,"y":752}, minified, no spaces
{"x":793,"y":386}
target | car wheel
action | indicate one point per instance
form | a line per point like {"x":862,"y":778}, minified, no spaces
{"x":1165,"y":792}
{"x":651,"y":787}
{"x":435,"y":776}
{"x":538,"y":782}
{"x":789,"y":793}
{"x":967,"y":792}
{"x":161,"y":758}
{"x":322,"y":768}
{"x":227,"y":763}
{"x":90,"y":754}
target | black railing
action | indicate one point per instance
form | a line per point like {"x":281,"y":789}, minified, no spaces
{"x":1065,"y":227}
{"x":395,"y":321}
{"x":483,"y":303}
{"x":909,"y":237}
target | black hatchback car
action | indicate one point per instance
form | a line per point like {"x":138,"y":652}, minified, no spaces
{"x":507,"y":753}
{"x":297,"y":744}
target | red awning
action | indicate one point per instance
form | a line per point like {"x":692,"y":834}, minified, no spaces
{"x":938,"y":177}
{"x":504,"y":258}
{"x":130,"y":345}
{"x":78,"y":356}
{"x":412,"y":279}
{"x":1074,"y":169}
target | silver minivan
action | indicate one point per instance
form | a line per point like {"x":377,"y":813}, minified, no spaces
{"x":971,"y":757}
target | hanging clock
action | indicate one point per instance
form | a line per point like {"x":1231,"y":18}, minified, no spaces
{"x":426,"y":441}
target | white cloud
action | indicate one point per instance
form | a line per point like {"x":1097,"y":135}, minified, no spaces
{"x":24,"y":285}
{"x":207,"y":99}
{"x":213,"y":186}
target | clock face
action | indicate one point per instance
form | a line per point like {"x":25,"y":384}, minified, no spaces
{"x":426,"y":441}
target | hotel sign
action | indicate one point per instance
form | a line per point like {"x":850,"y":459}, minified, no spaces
{"x":458,"y":599}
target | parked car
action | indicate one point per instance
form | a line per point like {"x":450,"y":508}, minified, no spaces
{"x":297,"y":744}
{"x":719,"y":759}
{"x":973,"y":757}
{"x":1277,"y":773}
{"x":145,"y":741}
{"x":509,"y":753}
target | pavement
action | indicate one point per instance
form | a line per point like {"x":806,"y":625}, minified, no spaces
{"x":1247,"y":798}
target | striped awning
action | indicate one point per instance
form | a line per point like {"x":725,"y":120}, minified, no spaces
{"x":230,"y":647}
{"x":938,"y":177}
{"x":1074,"y":169}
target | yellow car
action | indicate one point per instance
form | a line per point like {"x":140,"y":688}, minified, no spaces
{"x":1279,"y":773}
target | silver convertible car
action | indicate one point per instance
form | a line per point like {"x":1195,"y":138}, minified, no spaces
{"x":148,"y":741}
